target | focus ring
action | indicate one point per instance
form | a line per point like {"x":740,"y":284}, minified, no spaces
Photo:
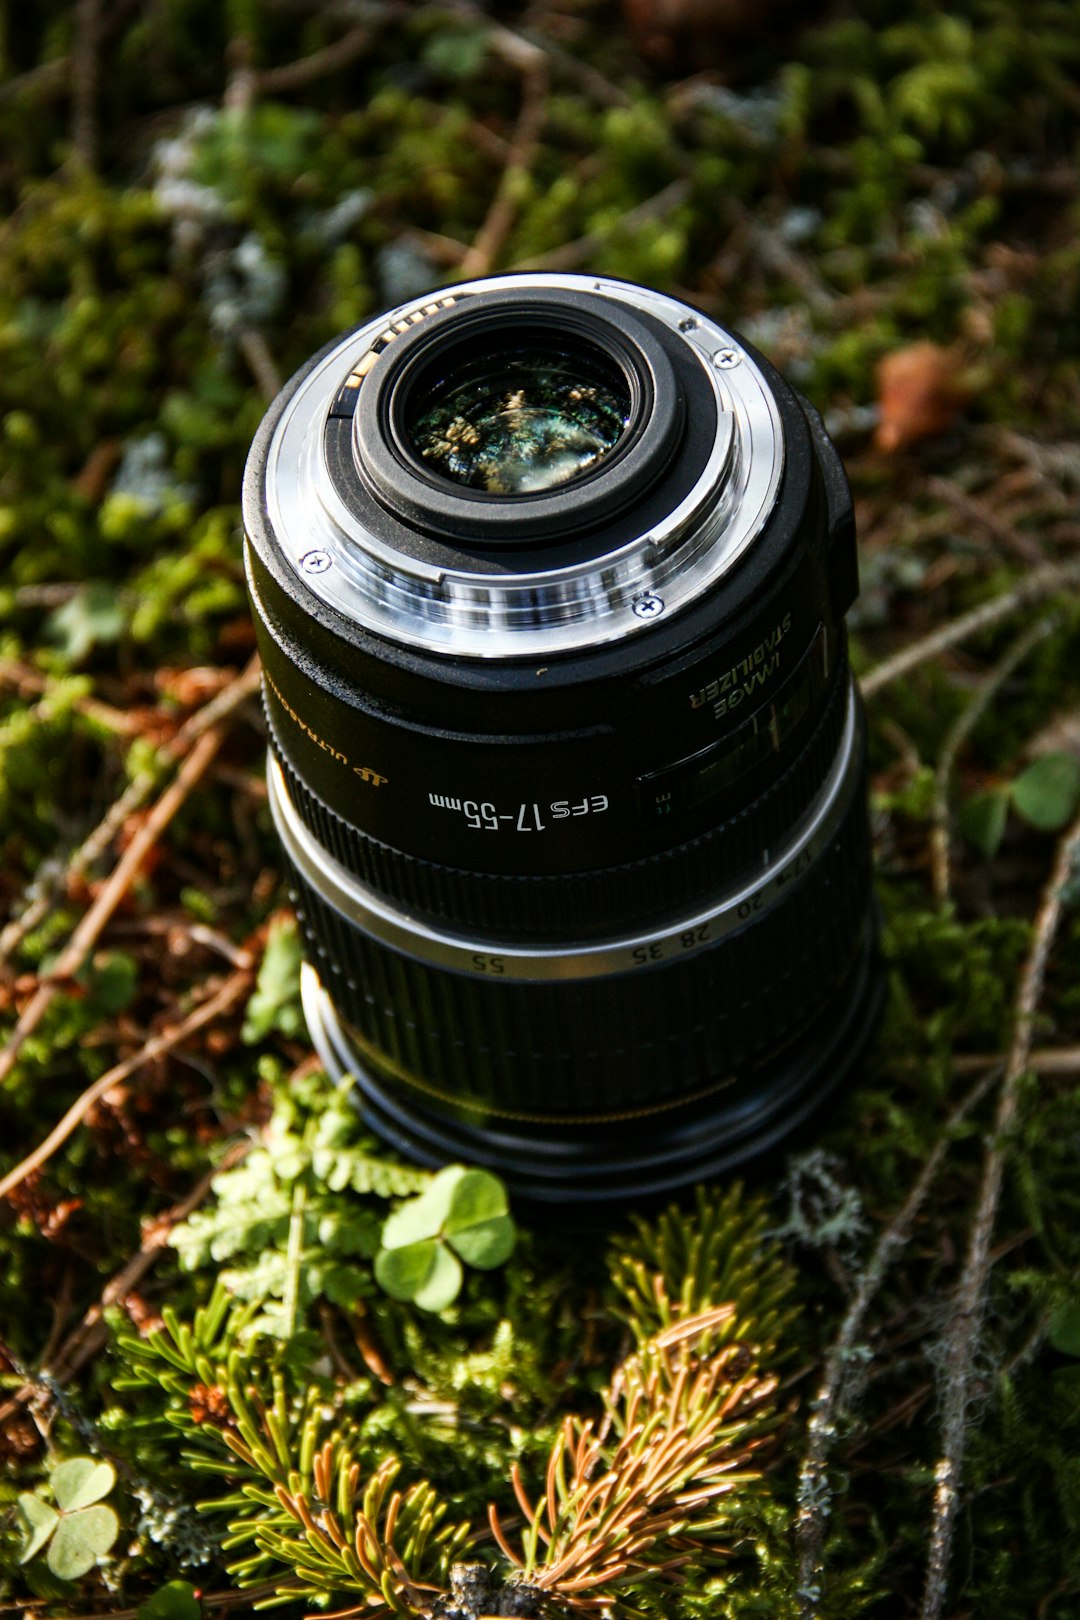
{"x":591,"y":1048}
{"x":582,"y":905}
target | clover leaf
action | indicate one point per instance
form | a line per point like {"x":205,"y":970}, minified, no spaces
{"x":175,"y":1600}
{"x":81,"y":1481}
{"x":461,"y":1215}
{"x":81,"y":1539}
{"x":79,"y":1530}
{"x":41,"y":1521}
{"x":1048,"y":792}
{"x":425,"y":1272}
{"x":1064,"y":1331}
{"x":478,"y":1225}
{"x":982,"y":820}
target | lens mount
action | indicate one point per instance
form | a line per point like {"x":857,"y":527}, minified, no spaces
{"x":597,"y":559}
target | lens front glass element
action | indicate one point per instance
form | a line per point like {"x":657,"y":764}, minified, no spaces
{"x":518,"y":417}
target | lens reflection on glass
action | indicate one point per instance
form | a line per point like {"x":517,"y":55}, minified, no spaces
{"x":519,"y":421}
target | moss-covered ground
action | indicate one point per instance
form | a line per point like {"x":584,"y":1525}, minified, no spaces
{"x":885,"y":198}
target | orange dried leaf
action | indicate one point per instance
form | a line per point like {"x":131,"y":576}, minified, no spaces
{"x":920,"y":393}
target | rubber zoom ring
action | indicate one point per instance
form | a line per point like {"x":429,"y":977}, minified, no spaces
{"x":579,"y":905}
{"x":641,"y":1040}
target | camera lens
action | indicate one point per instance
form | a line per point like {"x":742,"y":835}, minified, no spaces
{"x":549,"y":576}
{"x":516,"y":419}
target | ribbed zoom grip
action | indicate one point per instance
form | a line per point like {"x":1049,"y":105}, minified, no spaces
{"x":603,"y":1050}
{"x":580,"y":905}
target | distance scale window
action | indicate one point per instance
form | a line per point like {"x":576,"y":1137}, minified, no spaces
{"x":693,"y":781}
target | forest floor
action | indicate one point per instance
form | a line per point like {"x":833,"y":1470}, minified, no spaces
{"x":885,"y":200}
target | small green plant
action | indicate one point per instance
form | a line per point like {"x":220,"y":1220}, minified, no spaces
{"x":275,"y":1002}
{"x":300,"y":1220}
{"x":80,"y":1529}
{"x":660,"y":1479}
{"x":461,"y":1216}
{"x":176,"y":1600}
{"x":1046,"y":795}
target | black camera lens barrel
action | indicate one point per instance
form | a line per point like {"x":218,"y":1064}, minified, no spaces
{"x":519,"y":737}
{"x":619,"y":1071}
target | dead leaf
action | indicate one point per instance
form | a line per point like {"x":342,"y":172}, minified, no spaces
{"x":193,"y":686}
{"x":920,"y":393}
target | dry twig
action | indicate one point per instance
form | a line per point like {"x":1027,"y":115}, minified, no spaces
{"x":965,"y":1325}
{"x":291,"y":76}
{"x":572,"y":254}
{"x":224,"y":998}
{"x":519,"y":160}
{"x":261,"y":363}
{"x":827,"y":1406}
{"x":958,"y":735}
{"x":243,"y":1597}
{"x":1034,"y":587}
{"x":592,"y":83}
{"x":206,"y":732}
{"x":87,"y":1339}
{"x":1012,"y":541}
{"x":30,"y":682}
{"x":85,"y":74}
{"x":84,"y":1342}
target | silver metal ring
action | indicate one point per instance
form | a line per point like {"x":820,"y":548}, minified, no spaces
{"x":493,"y":615}
{"x":749,"y":899}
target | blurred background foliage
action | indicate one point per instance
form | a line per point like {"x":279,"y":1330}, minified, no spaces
{"x":884,"y":198}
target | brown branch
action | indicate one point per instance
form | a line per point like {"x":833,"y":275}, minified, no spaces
{"x":290,"y":76}
{"x":207,"y":732}
{"x":501,"y":214}
{"x":83,"y":1343}
{"x":86,"y":1340}
{"x":135,"y":794}
{"x":85,"y":75}
{"x":828,"y":1404}
{"x":208,"y":1600}
{"x":54,"y":78}
{"x":1044,"y":1060}
{"x":90,"y":850}
{"x":51,"y":78}
{"x":261,"y":363}
{"x":229,"y":993}
{"x":221,"y":706}
{"x":507,"y":41}
{"x":1034,"y":587}
{"x":572,"y":254}
{"x":1014,"y":542}
{"x":958,"y":735}
{"x":30,"y":682}
{"x":965,"y":1326}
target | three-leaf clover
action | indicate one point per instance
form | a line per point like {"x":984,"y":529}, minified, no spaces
{"x":1046,"y":795}
{"x":79,"y":1529}
{"x":461,"y":1215}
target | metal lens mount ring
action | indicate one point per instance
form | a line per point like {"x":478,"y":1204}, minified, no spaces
{"x":558,"y":607}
